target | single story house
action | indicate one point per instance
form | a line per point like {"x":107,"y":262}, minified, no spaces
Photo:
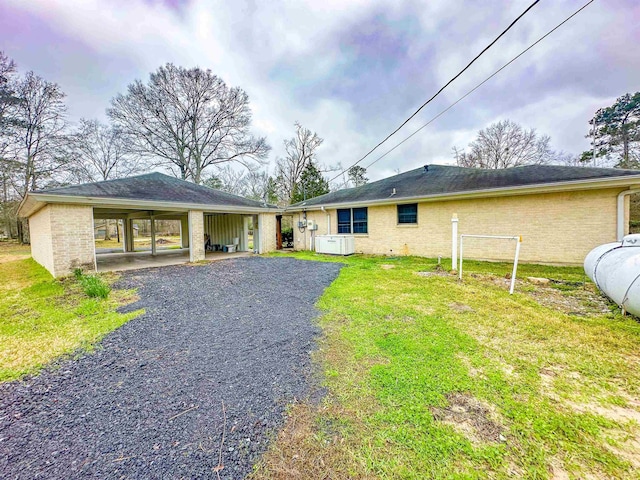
{"x":61,"y":220}
{"x":561,"y":212}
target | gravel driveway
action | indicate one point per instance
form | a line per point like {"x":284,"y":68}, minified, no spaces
{"x":148,"y":403}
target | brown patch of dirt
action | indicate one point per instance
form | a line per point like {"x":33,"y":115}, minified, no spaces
{"x":434,"y":273}
{"x":558,"y":472}
{"x":387,"y":266}
{"x":618,"y":414}
{"x":13,"y":257}
{"x":306,"y":448}
{"x":627,"y":448}
{"x":461,"y":308}
{"x":566,"y":297}
{"x":583,"y":300}
{"x":471,"y":417}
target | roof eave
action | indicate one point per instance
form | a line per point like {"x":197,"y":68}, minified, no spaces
{"x":34,"y":201}
{"x":572,"y":185}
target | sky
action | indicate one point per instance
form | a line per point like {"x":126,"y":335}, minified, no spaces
{"x":352,"y":71}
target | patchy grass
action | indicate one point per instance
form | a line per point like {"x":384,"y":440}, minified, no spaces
{"x":42,"y":318}
{"x":141,"y":243}
{"x":111,"y":243}
{"x":429,"y":377}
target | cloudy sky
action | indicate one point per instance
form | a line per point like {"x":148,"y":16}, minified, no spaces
{"x":350,"y":70}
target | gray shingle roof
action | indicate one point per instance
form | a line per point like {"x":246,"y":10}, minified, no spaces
{"x":155,"y":187}
{"x":447,"y":179}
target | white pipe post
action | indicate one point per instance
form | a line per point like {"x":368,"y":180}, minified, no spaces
{"x":460,"y":269}
{"x":454,"y":241}
{"x":515,"y":265}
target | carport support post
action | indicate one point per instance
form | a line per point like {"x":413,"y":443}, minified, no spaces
{"x":256,"y":235}
{"x":184,"y":231}
{"x":196,"y":235}
{"x":129,"y":245}
{"x":153,"y":235}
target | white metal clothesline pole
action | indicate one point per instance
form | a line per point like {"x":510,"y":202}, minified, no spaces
{"x":518,"y":240}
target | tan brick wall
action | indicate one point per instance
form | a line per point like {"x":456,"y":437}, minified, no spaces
{"x":196,"y":235}
{"x":62,"y":238}
{"x":267,"y":232}
{"x":73,"y":241}
{"x":556,"y":227}
{"x":41,"y":241}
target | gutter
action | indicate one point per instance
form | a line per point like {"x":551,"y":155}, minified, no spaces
{"x":489,"y":192}
{"x":101,"y":202}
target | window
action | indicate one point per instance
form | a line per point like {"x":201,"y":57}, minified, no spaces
{"x":408,"y":213}
{"x":352,"y":220}
{"x":360,"y":220}
{"x":344,"y":221}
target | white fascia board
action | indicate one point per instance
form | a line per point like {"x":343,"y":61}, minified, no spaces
{"x":591,"y":184}
{"x":45,"y":198}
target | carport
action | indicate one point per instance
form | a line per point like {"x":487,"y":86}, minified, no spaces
{"x":61,"y":222}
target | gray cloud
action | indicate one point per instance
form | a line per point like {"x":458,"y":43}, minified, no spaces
{"x":352,"y":71}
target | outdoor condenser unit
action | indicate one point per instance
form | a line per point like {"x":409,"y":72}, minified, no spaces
{"x":336,"y":244}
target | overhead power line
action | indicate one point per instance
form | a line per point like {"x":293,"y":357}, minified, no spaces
{"x":444,"y":86}
{"x":483,"y":82}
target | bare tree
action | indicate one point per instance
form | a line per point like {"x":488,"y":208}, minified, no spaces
{"x":38,"y":132}
{"x":7,"y":98}
{"x":228,"y":179}
{"x":189,"y":119}
{"x":8,"y":101}
{"x":300,"y":152}
{"x":99,"y":152}
{"x":505,"y":144}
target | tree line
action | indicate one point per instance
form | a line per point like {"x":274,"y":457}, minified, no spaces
{"x":189,"y":122}
{"x":614,"y":134}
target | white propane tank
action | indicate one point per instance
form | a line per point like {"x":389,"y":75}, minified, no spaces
{"x":615,"y":269}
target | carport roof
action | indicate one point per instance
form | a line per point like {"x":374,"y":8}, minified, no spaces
{"x":152,"y":189}
{"x":437,"y":181}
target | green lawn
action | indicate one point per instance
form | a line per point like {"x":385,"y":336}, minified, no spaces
{"x":42,"y":318}
{"x":428,"y":377}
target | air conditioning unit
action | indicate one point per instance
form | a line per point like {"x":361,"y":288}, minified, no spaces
{"x":336,"y":244}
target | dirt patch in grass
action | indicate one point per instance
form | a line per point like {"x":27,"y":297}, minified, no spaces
{"x":471,"y":417}
{"x":307,"y":448}
{"x":435,"y":273}
{"x":460,"y":307}
{"x":619,"y":414}
{"x":572,"y":298}
{"x":578,"y":300}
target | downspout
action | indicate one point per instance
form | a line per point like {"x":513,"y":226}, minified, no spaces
{"x":621,"y":212}
{"x":328,"y":220}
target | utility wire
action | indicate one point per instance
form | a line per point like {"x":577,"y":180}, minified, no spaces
{"x":445,"y":86}
{"x":484,"y":81}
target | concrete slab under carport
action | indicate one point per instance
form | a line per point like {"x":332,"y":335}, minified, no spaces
{"x":114,"y":262}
